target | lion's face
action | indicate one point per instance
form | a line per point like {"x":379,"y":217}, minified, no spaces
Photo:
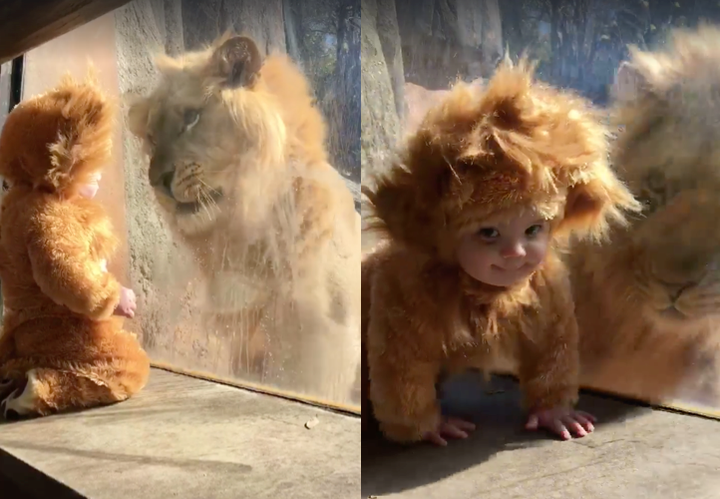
{"x":206,"y":128}
{"x":185,"y":136}
{"x":669,"y":154}
{"x":677,"y":266}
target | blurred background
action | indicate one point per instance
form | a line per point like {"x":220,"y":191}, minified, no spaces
{"x":411,"y":46}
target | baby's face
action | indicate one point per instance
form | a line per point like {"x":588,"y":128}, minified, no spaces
{"x":90,"y":189}
{"x":506,"y":249}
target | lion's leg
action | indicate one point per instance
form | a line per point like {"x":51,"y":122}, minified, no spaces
{"x":652,"y":376}
{"x":324,"y":361}
{"x":42,"y":391}
{"x":247,"y":343}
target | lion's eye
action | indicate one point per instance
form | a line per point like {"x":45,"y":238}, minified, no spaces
{"x":190,"y":118}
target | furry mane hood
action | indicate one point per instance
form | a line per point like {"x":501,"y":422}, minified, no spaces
{"x":482,"y":150}
{"x":57,"y":140}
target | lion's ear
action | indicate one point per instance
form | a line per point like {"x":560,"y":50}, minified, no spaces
{"x":237,"y":61}
{"x":628,"y":82}
{"x":646,"y":73}
{"x":137,"y":117}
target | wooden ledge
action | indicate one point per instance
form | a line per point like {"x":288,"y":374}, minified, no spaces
{"x":26,"y":24}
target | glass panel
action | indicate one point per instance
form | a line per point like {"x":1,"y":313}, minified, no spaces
{"x":5,"y":73}
{"x":246,"y":254}
{"x":415,"y":51}
{"x":93,"y":43}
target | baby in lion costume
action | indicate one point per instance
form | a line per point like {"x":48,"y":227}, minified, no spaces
{"x":476,"y":213}
{"x":62,"y":344}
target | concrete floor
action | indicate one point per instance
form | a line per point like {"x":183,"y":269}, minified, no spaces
{"x":635,"y":453}
{"x":187,"y":438}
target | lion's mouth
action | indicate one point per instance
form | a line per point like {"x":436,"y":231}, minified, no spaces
{"x":213,"y":196}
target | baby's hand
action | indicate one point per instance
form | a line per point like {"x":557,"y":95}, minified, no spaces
{"x":127,"y":305}
{"x":449,"y":427}
{"x":562,"y":421}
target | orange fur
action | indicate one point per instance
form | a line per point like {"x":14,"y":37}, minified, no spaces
{"x":632,"y":341}
{"x":59,"y":341}
{"x":481,"y":150}
{"x":279,"y":243}
{"x":418,"y":100}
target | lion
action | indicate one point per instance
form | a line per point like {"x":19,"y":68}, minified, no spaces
{"x":648,"y":304}
{"x":239,"y":166}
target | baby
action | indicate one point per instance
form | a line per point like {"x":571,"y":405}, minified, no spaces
{"x":62,"y":344}
{"x":484,"y":195}
{"x":128,"y":300}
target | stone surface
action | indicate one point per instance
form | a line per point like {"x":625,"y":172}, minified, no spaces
{"x":636,"y":452}
{"x":187,"y":438}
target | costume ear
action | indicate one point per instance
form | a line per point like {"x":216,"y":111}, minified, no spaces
{"x":585,"y":202}
{"x":237,"y":61}
{"x":399,"y":209}
{"x":591,"y":206}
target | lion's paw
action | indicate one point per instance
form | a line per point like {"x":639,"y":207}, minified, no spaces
{"x":22,"y":399}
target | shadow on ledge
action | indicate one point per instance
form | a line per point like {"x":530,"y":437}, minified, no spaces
{"x":389,"y":468}
{"x":19,"y":480}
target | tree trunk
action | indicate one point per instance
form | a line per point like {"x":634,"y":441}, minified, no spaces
{"x":290,"y":16}
{"x":382,"y":82}
{"x":205,"y":21}
{"x":446,"y":39}
{"x":347,"y":78}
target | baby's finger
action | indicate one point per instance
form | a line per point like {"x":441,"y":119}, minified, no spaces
{"x":452,"y":431}
{"x":585,"y":422}
{"x":586,"y":415}
{"x":532,"y":422}
{"x":434,"y":438}
{"x":461,"y":424}
{"x":559,"y":428}
{"x":574,"y":426}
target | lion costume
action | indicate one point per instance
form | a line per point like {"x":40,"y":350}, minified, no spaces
{"x":478,"y":152}
{"x":60,"y":348}
{"x":648,"y":304}
{"x":239,"y":166}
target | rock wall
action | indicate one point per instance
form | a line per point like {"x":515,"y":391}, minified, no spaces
{"x":158,"y":264}
{"x":446,"y":39}
{"x":383,"y":103}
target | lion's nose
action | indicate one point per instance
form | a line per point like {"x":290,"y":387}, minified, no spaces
{"x":160,"y":167}
{"x":165,"y":181}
